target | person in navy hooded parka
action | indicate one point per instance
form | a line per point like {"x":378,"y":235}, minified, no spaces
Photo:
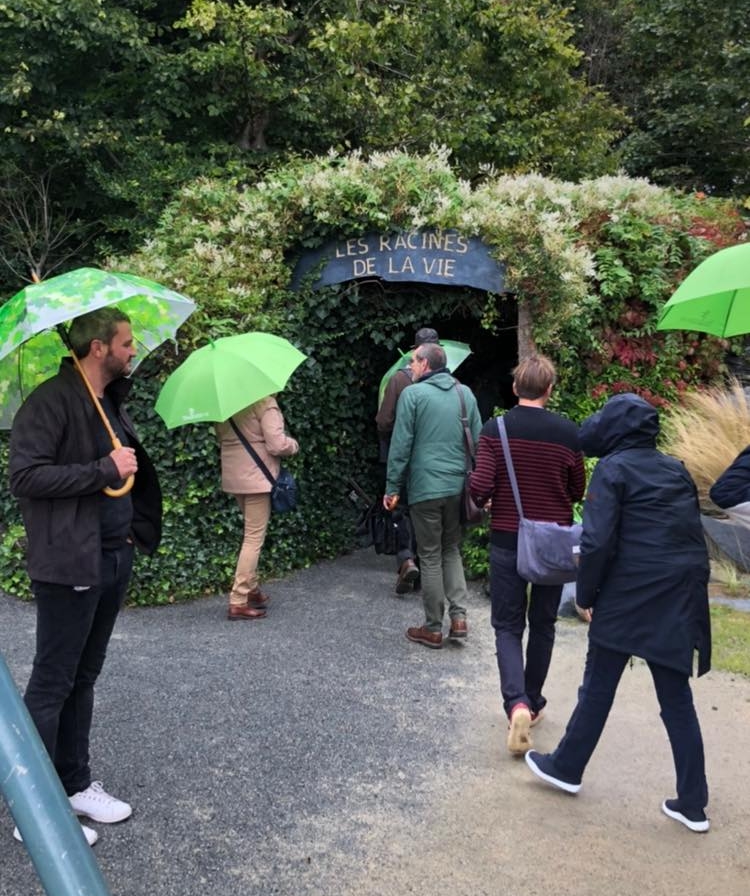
{"x":644,"y":575}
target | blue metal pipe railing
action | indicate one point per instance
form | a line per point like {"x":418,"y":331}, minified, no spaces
{"x":40,"y":807}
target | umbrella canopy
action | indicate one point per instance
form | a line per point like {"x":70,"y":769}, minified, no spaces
{"x":714,"y":298}
{"x":225,"y":376}
{"x":30,"y":347}
{"x":455,"y":352}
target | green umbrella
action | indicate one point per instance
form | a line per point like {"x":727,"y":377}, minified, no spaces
{"x":714,"y":298}
{"x":455,"y":352}
{"x":225,"y":376}
{"x":30,"y":342}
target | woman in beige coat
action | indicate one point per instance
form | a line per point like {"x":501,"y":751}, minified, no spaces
{"x":262,"y":424}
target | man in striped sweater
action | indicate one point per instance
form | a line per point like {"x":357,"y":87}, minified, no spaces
{"x":549,"y":468}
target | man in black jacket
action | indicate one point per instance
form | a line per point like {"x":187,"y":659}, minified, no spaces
{"x":80,"y":540}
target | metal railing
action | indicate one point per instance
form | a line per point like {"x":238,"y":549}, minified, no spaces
{"x":40,"y":807}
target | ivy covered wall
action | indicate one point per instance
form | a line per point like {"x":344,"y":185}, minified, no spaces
{"x":588,"y":267}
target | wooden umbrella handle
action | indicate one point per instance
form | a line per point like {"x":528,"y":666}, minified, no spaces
{"x":116,"y":443}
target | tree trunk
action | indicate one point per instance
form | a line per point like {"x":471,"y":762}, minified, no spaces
{"x":526,"y":345}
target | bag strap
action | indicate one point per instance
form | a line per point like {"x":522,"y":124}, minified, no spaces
{"x":252,"y":452}
{"x":509,"y":465}
{"x":468,"y":440}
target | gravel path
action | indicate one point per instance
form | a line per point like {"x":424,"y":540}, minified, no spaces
{"x":319,"y":752}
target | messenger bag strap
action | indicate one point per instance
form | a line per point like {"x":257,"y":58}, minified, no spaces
{"x":252,"y":452}
{"x":509,"y":465}
{"x":468,"y":440}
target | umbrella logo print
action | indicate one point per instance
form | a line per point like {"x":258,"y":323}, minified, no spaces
{"x":193,"y":416}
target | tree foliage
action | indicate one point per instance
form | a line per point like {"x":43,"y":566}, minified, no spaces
{"x":122,"y":101}
{"x":680,"y":69}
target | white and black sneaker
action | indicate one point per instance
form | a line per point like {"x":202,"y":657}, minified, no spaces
{"x":694,"y":819}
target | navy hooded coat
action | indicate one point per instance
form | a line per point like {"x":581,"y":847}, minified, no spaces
{"x":644,"y":564}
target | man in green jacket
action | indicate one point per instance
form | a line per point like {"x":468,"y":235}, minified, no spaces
{"x":427,"y":458}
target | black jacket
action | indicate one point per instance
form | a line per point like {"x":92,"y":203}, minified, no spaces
{"x":644,"y":563}
{"x":733,"y":486}
{"x":57,"y":474}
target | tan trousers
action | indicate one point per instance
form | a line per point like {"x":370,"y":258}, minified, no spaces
{"x":256,"y":511}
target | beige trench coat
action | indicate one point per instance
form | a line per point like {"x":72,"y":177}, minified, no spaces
{"x":262,"y":424}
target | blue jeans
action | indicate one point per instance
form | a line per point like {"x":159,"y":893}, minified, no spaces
{"x":511,"y":602}
{"x":72,"y":633}
{"x":601,"y":676}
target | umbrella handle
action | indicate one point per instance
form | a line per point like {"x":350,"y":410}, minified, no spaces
{"x":116,"y":443}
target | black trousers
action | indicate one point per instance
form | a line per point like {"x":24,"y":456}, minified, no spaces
{"x":72,"y":633}
{"x":601,"y":676}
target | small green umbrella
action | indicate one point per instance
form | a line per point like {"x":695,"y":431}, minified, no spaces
{"x":30,"y":342}
{"x":455,"y":352}
{"x":714,"y":298}
{"x":225,"y":376}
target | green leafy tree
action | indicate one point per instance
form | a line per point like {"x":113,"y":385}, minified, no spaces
{"x":681,"y":70}
{"x":123,"y":101}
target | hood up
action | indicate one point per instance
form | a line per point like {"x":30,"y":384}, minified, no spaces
{"x":625,"y":421}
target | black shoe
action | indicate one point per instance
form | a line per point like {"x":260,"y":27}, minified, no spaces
{"x":543,"y":767}
{"x":695,"y":819}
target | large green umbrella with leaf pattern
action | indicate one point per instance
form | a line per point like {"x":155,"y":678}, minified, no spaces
{"x":33,"y":336}
{"x":31,"y":341}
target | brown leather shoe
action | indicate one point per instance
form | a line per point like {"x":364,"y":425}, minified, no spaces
{"x":459,"y":629}
{"x":245,"y":612}
{"x":257,"y":598}
{"x":408,"y":573}
{"x":424,"y":636}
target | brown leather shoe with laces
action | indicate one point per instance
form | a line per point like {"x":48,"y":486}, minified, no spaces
{"x":408,"y":573}
{"x":459,"y":630}
{"x":245,"y":612}
{"x":424,"y":636}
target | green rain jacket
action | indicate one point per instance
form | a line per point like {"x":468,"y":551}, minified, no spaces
{"x":427,"y":453}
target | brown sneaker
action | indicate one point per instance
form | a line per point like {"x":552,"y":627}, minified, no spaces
{"x":424,"y":636}
{"x":519,"y":738}
{"x":245,"y":612}
{"x":459,"y":629}
{"x":408,"y":574}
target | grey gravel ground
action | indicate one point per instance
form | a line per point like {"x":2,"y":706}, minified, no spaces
{"x":319,"y":752}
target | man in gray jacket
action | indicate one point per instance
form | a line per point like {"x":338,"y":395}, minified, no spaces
{"x":427,"y":458}
{"x":80,"y":540}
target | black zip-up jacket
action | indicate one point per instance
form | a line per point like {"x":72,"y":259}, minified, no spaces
{"x":57,"y":474}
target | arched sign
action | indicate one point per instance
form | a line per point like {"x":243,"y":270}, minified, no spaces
{"x":425,"y":256}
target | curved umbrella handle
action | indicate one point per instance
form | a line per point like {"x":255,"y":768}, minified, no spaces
{"x":116,"y":443}
{"x":129,"y":482}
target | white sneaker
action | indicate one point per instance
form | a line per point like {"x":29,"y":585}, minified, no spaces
{"x":89,"y":833}
{"x":95,"y":803}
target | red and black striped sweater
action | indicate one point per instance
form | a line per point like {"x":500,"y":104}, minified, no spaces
{"x":549,"y":468}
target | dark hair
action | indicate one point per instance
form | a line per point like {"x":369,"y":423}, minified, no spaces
{"x":432,"y":353}
{"x":100,"y":324}
{"x":424,"y":335}
{"x":533,"y":376}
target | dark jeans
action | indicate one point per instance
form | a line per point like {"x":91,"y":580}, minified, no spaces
{"x":519,"y":682}
{"x":601,"y":676}
{"x":72,"y":633}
